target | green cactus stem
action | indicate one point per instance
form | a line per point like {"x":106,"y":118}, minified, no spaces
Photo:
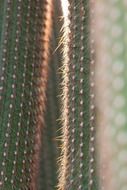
{"x":24,"y":51}
{"x":14,"y":87}
{"x":50,"y":145}
{"x":77,"y":170}
{"x":42,"y":57}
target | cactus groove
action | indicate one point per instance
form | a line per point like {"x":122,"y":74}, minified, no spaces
{"x":45,"y":13}
{"x":50,"y":145}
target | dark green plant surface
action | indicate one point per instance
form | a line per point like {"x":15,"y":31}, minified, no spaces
{"x":17,"y":67}
{"x":50,"y":145}
{"x":77,"y":169}
{"x":31,"y":97}
{"x":44,"y":56}
{"x":50,"y":148}
{"x":22,"y":87}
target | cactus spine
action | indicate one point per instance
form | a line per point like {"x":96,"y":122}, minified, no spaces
{"x":77,"y":157}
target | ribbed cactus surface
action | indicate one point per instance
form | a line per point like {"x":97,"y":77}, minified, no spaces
{"x":77,"y":169}
{"x":25,"y":28}
{"x":16,"y":93}
{"x":83,"y":145}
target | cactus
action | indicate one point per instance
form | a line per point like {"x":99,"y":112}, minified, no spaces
{"x":43,"y":60}
{"x":117,"y":66}
{"x":92,"y":130}
{"x":50,"y":145}
{"x":50,"y":151}
{"x":112,"y":72}
{"x":25,"y":31}
{"x":77,"y":161}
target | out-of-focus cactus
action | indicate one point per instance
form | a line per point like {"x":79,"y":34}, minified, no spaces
{"x":25,"y":30}
{"x":117,"y":43}
{"x":77,"y":170}
{"x":111,"y":61}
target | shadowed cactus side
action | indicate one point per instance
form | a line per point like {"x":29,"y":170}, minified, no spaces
{"x":50,"y":147}
{"x":43,"y":58}
{"x":50,"y":144}
{"x":77,"y":161}
{"x":24,"y":49}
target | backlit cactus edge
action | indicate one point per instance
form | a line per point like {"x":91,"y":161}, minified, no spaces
{"x":48,"y":126}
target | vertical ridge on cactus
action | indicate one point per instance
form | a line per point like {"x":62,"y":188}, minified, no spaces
{"x":77,"y":157}
{"x":93,"y":162}
{"x":23,"y":78}
{"x":11,"y":107}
